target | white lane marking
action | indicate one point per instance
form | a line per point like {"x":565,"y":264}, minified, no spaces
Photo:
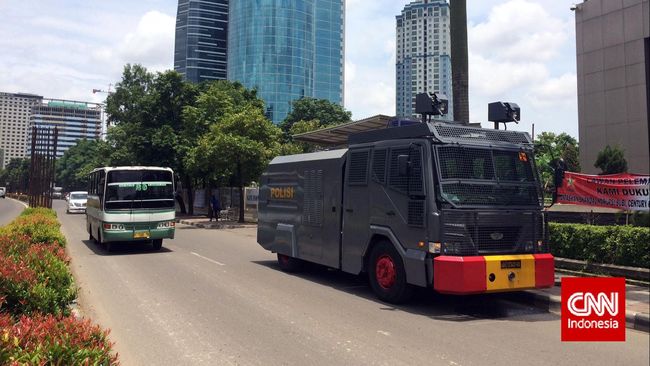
{"x":208,"y":259}
{"x":21,"y":202}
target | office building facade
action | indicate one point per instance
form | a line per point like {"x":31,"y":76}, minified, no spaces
{"x":423,"y":61}
{"x":74,"y":120}
{"x":287,"y":49}
{"x":15,"y":109}
{"x":613,"y":68}
{"x":200,"y":50}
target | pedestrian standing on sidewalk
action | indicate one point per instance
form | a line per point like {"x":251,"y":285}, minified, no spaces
{"x":216,"y":208}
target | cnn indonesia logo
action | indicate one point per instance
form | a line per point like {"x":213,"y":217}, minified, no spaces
{"x":593,"y":309}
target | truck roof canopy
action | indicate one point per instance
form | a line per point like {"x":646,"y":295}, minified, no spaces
{"x":321,"y":155}
{"x":444,"y":132}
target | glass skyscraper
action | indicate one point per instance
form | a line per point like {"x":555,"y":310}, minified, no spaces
{"x":201,"y":39}
{"x":75,"y":121}
{"x":287,"y":49}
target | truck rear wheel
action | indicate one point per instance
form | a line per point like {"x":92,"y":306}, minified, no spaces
{"x":387,"y":274}
{"x":290,"y":264}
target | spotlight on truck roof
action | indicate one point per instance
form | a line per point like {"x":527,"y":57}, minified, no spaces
{"x":503,"y":112}
{"x":431,"y":104}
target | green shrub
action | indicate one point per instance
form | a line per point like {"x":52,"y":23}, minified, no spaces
{"x":38,"y":210}
{"x":40,"y":225}
{"x":620,"y":245}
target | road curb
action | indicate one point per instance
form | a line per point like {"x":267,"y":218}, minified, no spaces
{"x":553,"y":304}
{"x":19,"y":201}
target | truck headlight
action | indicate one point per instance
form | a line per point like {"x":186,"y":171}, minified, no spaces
{"x":435,"y":248}
{"x":166,"y":224}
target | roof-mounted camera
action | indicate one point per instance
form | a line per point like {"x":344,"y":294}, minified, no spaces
{"x":503,"y":112}
{"x":431,"y":104}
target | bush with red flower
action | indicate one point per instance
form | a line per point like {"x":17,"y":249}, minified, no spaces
{"x":36,"y":290}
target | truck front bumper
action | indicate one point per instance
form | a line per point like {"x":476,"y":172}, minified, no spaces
{"x":494,"y":273}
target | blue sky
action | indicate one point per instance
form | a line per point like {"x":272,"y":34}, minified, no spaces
{"x":521,"y":51}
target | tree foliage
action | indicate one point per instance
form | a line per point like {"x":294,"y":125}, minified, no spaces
{"x":15,"y":175}
{"x":549,"y":148}
{"x":240,"y":140}
{"x":72,"y":169}
{"x":311,"y":109}
{"x":210,"y":134}
{"x":611,"y":160}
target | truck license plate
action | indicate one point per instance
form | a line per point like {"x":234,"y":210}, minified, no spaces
{"x":510,"y":264}
{"x":141,"y":235}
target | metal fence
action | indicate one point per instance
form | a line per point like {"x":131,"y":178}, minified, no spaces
{"x":42,"y":165}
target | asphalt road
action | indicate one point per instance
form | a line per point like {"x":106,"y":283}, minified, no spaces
{"x":214,"y":297}
{"x":9,"y":209}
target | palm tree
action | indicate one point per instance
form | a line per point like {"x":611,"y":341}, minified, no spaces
{"x":459,"y":69}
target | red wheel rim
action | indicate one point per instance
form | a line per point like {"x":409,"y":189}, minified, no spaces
{"x":385,"y":271}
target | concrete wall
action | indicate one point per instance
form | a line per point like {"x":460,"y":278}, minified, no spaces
{"x":612,"y":81}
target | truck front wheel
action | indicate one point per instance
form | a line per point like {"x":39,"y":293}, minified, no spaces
{"x":387,"y":274}
{"x":290,"y":264}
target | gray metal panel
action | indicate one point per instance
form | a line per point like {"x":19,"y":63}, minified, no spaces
{"x":294,"y":186}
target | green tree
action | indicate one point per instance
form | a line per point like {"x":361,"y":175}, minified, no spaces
{"x":302,"y":127}
{"x":73,"y":167}
{"x":16,"y":175}
{"x":550,"y":147}
{"x":237,"y":148}
{"x":146,"y":117}
{"x":611,"y":160}
{"x":311,"y":109}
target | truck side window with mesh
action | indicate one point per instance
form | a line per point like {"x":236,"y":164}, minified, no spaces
{"x":413,"y":183}
{"x":379,"y":165}
{"x":358,"y":170}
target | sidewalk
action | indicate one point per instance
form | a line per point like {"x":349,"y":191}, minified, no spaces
{"x":205,"y":223}
{"x":637,"y":303}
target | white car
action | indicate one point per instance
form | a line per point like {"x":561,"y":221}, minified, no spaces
{"x":77,"y":202}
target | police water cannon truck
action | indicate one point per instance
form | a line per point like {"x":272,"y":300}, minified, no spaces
{"x":441,"y":205}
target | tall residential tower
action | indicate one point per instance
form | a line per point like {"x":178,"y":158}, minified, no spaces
{"x":287,"y":49}
{"x":201,"y":39}
{"x":423,"y":62}
{"x":15,"y":109}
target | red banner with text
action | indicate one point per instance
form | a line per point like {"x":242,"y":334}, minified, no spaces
{"x":622,"y":191}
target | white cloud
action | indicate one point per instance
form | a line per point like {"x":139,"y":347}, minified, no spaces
{"x":519,"y":30}
{"x":522,"y":52}
{"x":555,"y":91}
{"x":152,"y":42}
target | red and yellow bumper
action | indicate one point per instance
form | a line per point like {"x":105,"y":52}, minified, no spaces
{"x":494,"y":273}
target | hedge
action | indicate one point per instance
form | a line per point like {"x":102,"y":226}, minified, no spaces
{"x":36,"y":290}
{"x":619,"y":245}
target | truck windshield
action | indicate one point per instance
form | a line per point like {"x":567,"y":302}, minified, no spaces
{"x":135,"y":189}
{"x":487,"y":177}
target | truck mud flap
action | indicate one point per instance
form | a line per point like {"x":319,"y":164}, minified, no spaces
{"x":285,"y":240}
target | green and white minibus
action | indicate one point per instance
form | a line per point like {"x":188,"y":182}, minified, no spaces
{"x":130,"y":203}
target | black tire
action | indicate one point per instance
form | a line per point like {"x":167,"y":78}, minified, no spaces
{"x":290,"y":264}
{"x":106,"y":245}
{"x":387,"y":274}
{"x":90,"y":233}
{"x":157,"y":244}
